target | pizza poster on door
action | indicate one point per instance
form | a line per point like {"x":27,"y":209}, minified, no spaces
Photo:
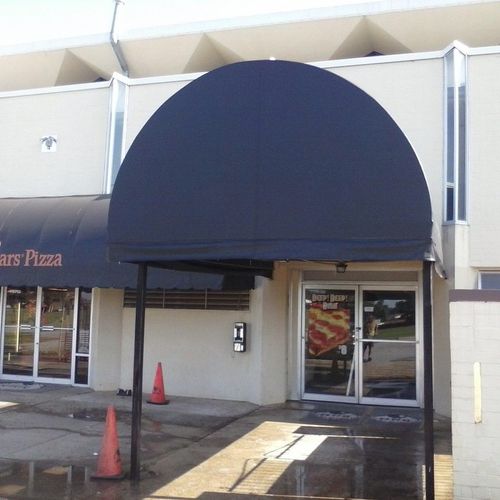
{"x":328,"y":323}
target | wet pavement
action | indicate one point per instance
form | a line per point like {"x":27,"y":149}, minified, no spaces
{"x":209,"y":449}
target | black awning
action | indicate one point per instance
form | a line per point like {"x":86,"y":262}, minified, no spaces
{"x":61,"y":241}
{"x":270,"y":160}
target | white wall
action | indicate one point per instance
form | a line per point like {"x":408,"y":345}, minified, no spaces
{"x":412,"y":93}
{"x":106,"y":339}
{"x":80,"y":121}
{"x":475,"y":337}
{"x":269,"y":312}
{"x":196,"y":352}
{"x":143,"y":101}
{"x":484,"y":159}
{"x":441,"y":346}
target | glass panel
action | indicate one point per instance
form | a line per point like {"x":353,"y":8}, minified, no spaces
{"x":19,"y":337}
{"x":490,"y":281}
{"x":450,"y":135}
{"x":461,"y":154}
{"x":450,"y":117}
{"x":57,"y":307}
{"x":83,"y":333}
{"x":456,"y":147}
{"x":389,"y":315}
{"x":329,"y":353}
{"x":391,"y":372}
{"x":82,"y":370}
{"x":56,"y":334}
{"x":119,"y":90}
{"x":450,"y":201}
{"x":389,"y":368}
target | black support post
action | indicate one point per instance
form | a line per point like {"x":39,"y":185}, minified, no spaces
{"x":428,"y":383}
{"x":140,"y":310}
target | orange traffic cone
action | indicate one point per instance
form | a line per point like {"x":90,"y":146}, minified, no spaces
{"x":158,"y":394}
{"x":109,"y":463}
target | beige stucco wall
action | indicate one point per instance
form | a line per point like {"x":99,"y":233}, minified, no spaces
{"x":475,"y":337}
{"x":412,"y":93}
{"x":106,"y":339}
{"x":484,"y":155}
{"x":143,"y":101}
{"x":196,"y":351}
{"x":80,"y":121}
{"x":441,"y":346}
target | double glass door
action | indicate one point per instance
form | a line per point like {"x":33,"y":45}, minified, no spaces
{"x":360,"y":344}
{"x":39,"y":333}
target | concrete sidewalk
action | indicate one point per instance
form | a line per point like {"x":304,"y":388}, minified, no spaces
{"x":195,"y":448}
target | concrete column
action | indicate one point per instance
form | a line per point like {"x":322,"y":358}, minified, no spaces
{"x":105,"y":361}
{"x":273,"y":336}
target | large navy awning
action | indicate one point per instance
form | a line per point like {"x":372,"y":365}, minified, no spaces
{"x":269,"y":160}
{"x":61,"y":241}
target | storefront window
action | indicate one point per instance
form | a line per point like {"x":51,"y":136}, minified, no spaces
{"x":40,"y":329}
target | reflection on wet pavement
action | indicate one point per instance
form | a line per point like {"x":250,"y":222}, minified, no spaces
{"x":296,"y":451}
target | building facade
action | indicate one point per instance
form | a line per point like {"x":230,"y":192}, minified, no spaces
{"x":315,"y":331}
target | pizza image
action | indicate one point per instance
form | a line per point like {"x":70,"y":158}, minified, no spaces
{"x":327,"y":329}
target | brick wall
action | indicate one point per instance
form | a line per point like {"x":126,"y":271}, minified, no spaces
{"x":475,"y":376}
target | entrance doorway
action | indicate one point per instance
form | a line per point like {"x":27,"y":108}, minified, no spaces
{"x":360,"y":344}
{"x":46,"y":334}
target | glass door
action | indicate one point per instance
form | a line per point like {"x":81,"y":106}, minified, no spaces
{"x":360,"y":344}
{"x":330,"y":347}
{"x":19,"y":331}
{"x":55,"y":343}
{"x":38,"y":333}
{"x":388,"y":347}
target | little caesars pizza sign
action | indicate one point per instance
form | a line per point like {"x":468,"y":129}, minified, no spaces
{"x":30,"y":258}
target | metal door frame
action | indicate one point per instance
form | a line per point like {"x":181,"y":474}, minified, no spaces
{"x":417,"y":342}
{"x":36,"y":339}
{"x":358,"y":288}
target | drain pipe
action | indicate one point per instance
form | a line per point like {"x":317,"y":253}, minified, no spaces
{"x":113,"y":40}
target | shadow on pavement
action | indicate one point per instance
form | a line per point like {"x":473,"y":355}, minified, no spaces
{"x":206,"y":449}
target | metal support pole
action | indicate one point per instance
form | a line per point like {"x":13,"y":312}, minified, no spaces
{"x":140,"y":310}
{"x":428,"y":383}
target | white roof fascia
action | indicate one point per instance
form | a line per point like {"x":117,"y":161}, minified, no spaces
{"x":54,"y":90}
{"x":393,"y":58}
{"x":483,"y":51}
{"x":275,"y":18}
{"x":182,"y":77}
{"x":269,"y":19}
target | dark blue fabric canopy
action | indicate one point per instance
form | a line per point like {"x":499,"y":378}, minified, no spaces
{"x":269,"y":160}
{"x":61,"y":241}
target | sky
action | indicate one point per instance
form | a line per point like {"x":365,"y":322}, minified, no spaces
{"x":26,"y":21}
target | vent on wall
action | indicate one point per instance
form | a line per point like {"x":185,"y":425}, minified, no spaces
{"x":192,"y":299}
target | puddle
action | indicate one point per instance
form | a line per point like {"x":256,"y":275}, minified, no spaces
{"x":47,"y":480}
{"x":34,"y":480}
{"x":99,"y":415}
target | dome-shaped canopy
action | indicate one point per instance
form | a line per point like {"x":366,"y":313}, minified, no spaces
{"x":270,"y":160}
